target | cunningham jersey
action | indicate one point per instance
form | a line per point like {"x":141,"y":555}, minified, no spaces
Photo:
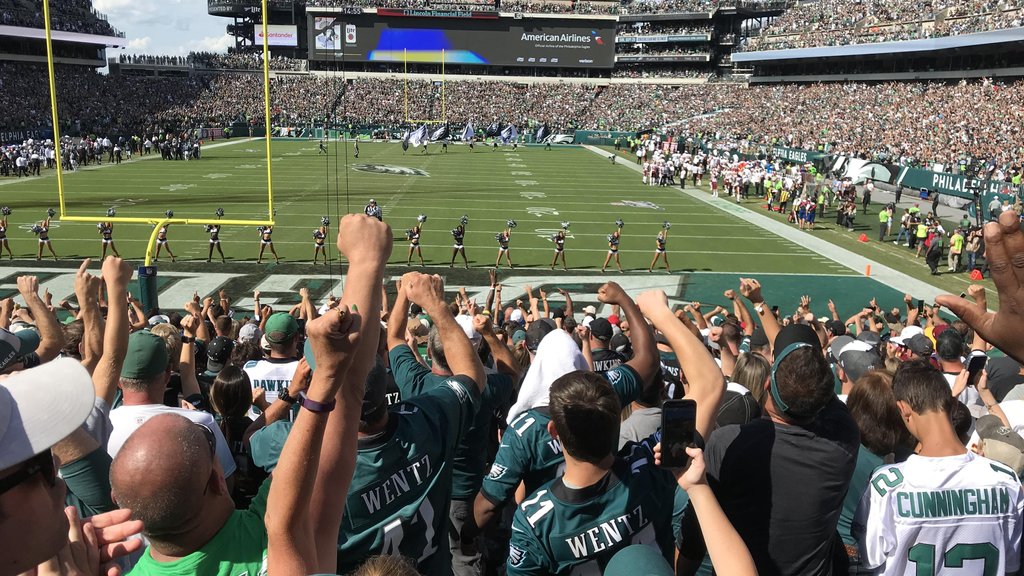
{"x":956,"y":515}
{"x":561,"y":530}
{"x":401,"y":489}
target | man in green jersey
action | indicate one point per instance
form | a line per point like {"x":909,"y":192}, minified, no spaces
{"x":528,"y":451}
{"x":469,"y":465}
{"x":400,"y":494}
{"x":607,"y":500}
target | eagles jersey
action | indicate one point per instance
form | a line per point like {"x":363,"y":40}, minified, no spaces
{"x":413,"y":379}
{"x":952,"y":515}
{"x":528,"y":453}
{"x":399,"y":498}
{"x":565,"y":531}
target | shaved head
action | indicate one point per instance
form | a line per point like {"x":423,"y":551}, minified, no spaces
{"x":162,"y":472}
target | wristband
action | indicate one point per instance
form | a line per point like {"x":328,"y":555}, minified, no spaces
{"x":187,"y":339}
{"x":316,"y":407}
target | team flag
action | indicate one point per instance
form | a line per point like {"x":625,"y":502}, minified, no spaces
{"x":440,"y":134}
{"x":509,"y":133}
{"x":468,"y":132}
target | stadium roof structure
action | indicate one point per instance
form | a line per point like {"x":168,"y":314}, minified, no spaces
{"x":61,"y":36}
{"x":888,"y":48}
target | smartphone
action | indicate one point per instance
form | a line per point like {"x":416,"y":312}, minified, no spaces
{"x":974,"y":367}
{"x":678,"y":422}
{"x":963,"y":294}
{"x":920,"y":307}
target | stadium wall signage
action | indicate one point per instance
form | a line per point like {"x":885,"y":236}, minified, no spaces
{"x":413,"y":13}
{"x":659,"y":38}
{"x":19,"y":136}
{"x":795,"y":154}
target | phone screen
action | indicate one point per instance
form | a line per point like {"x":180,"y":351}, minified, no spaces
{"x":678,"y":422}
{"x":974,"y":367}
{"x":920,"y":306}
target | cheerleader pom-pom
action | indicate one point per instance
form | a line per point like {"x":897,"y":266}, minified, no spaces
{"x":169,"y":213}
{"x":219,"y":212}
{"x":51,"y":212}
{"x":565,"y":225}
{"x":498,"y":236}
{"x":325,"y":221}
{"x":619,"y":223}
{"x":511,"y":223}
{"x":408,"y":234}
{"x":666,"y":225}
{"x":6,"y":211}
{"x":421,"y":218}
{"x":464,"y":220}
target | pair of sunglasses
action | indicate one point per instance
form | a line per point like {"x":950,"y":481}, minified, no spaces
{"x":41,"y":463}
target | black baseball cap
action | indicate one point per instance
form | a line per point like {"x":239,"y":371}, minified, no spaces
{"x":857,"y":363}
{"x":793,"y":334}
{"x":537,"y":331}
{"x":836,"y":327}
{"x":759,"y":338}
{"x":601,"y":329}
{"x":921,"y":345}
{"x":218,"y":352}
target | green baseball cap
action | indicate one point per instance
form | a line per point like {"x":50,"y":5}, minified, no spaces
{"x":146,"y":356}
{"x":281,"y":327}
{"x":14,"y":345}
{"x":638,"y":560}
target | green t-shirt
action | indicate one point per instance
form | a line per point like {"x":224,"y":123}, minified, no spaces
{"x":956,"y":243}
{"x":560,"y":530}
{"x":867,"y":463}
{"x":401,"y":489}
{"x":922,"y":231}
{"x":470,"y":461}
{"x":883,"y":216}
{"x":529,"y":454}
{"x":240,"y":547}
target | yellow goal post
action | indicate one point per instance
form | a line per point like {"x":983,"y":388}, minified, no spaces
{"x":157,"y":223}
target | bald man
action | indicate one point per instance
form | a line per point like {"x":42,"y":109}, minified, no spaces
{"x":168,"y":474}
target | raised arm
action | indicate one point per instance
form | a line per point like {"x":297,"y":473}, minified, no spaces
{"x":706,"y":382}
{"x":503,"y":359}
{"x":366,"y":243}
{"x":428,"y":292}
{"x":89,"y":312}
{"x":645,"y":360}
{"x":116,"y":275}
{"x":751,"y":290}
{"x":187,"y":361}
{"x":741,"y":312}
{"x":398,"y":322}
{"x":292,"y":547}
{"x":51,"y":337}
{"x":568,"y":302}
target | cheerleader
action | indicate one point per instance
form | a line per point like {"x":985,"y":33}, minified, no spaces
{"x":4,"y":213}
{"x":319,"y":237}
{"x":459,"y":247}
{"x":373,"y":210}
{"x":266,"y":240}
{"x":42,"y":229}
{"x":106,"y":230}
{"x":559,"y":240}
{"x":414,"y":242}
{"x":659,"y":249}
{"x":503,"y":239}
{"x":162,"y":244}
{"x":613,"y":248}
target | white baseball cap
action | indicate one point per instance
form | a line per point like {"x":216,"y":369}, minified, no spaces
{"x":906,"y":334}
{"x":40,"y":407}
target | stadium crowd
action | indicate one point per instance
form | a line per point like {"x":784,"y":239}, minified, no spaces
{"x":68,"y":16}
{"x":360,"y":434}
{"x":844,"y":22}
{"x":912,"y":123}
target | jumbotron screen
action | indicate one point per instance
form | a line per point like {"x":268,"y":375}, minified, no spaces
{"x":481,"y":39}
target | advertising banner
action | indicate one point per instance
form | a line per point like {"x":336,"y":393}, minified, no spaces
{"x":487,"y":41}
{"x":278,"y":35}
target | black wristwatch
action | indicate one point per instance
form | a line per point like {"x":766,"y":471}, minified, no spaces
{"x":283,"y":395}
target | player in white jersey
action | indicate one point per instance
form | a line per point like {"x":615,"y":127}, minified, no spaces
{"x":945,"y":511}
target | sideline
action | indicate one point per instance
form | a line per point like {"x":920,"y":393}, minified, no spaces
{"x":140,"y":158}
{"x":883,"y":274}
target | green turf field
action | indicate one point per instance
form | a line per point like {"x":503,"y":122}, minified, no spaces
{"x":537,"y":188}
{"x":708,"y":248}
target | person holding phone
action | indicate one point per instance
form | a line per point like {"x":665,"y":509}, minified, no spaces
{"x":949,"y":350}
{"x":566,"y":525}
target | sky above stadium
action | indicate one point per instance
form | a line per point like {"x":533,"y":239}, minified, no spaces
{"x":166,"y":27}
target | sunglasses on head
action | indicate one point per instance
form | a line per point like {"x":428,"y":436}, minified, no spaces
{"x":40,"y":463}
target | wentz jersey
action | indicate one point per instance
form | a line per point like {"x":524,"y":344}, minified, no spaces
{"x":529,"y":454}
{"x":955,"y":515}
{"x":560,"y":530}
{"x":399,"y":499}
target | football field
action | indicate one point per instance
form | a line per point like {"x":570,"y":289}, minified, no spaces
{"x":708,"y":248}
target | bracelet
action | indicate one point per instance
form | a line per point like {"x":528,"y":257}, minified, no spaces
{"x":316,"y":407}
{"x":187,"y":339}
